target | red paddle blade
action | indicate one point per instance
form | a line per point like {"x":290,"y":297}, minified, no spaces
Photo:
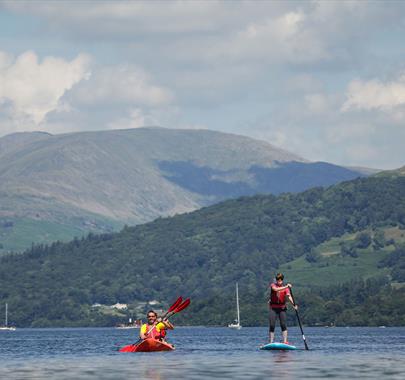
{"x":176,"y":304}
{"x":183,"y":305}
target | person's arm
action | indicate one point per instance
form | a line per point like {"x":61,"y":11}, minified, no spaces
{"x":168,"y":324}
{"x":142,"y":332}
{"x":278,"y":288}
{"x":295,"y":306}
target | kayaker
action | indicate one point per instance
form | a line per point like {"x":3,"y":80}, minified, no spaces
{"x":155,"y":327}
{"x":278,"y":308}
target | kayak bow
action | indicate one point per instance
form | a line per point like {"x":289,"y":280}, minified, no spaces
{"x":148,"y":345}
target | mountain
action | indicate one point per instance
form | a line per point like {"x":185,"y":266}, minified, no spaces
{"x":16,"y":141}
{"x":342,"y":247}
{"x":60,"y":186}
{"x":393,"y":173}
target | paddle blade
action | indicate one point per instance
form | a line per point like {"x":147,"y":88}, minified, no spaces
{"x":175,"y":305}
{"x":182,"y":306}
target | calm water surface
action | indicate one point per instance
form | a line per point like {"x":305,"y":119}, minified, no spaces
{"x":201,"y":353}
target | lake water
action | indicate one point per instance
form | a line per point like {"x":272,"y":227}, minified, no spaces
{"x":202,"y":353}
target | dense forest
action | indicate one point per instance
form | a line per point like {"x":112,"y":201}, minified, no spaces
{"x":204,"y":253}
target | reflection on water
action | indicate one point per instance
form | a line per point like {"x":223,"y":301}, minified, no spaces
{"x":202,"y":353}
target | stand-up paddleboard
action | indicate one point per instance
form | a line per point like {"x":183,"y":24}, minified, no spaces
{"x":148,"y":345}
{"x":278,"y":346}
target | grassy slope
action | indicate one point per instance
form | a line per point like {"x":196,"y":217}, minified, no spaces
{"x":25,"y":231}
{"x":333,"y":268}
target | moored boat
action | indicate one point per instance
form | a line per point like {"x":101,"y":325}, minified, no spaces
{"x":236,"y":325}
{"x":6,"y":327}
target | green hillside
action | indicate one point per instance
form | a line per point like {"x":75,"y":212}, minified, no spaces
{"x":342,"y":246}
{"x":329,"y":264}
{"x":16,"y":234}
{"x":393,"y":173}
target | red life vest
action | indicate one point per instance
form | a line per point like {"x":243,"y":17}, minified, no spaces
{"x":278,"y":299}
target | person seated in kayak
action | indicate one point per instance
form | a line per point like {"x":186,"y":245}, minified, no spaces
{"x":277,"y":306}
{"x":155,"y":327}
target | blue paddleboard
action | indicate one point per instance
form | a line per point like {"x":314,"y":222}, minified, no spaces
{"x":278,"y":346}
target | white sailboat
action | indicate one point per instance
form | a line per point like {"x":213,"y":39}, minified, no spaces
{"x":6,"y":326}
{"x":236,"y":325}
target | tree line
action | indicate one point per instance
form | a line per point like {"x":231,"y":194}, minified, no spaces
{"x":201,"y":255}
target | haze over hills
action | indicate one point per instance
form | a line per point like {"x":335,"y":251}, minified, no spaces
{"x":59,"y":186}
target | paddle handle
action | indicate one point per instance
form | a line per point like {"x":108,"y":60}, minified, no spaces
{"x":299,"y":321}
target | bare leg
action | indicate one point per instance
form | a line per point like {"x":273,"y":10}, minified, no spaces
{"x":283,"y":324}
{"x":285,"y":336}
{"x":272,"y":323}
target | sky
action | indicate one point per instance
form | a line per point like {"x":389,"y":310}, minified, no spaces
{"x":322,"y":79}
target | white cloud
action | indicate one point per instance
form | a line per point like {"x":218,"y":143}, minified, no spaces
{"x":120,"y":17}
{"x":5,"y":60}
{"x":57,"y":95}
{"x":121,"y":84}
{"x":277,"y":31}
{"x":312,"y":126}
{"x":375,"y":94}
{"x":280,"y":70}
{"x":32,"y":88}
{"x":274,"y":39}
{"x":135,"y":119}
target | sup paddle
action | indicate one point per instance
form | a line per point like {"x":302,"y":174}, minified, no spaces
{"x":299,"y":321}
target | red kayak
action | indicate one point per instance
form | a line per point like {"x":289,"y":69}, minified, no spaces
{"x":148,"y":345}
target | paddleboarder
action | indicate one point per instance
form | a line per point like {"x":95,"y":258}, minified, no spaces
{"x":155,"y":327}
{"x":277,"y":306}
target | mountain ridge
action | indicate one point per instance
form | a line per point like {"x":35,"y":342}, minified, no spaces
{"x":134,"y":176}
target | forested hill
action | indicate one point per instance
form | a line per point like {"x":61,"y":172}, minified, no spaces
{"x":202,"y":254}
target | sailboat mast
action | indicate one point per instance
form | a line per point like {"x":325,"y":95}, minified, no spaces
{"x":237,"y":303}
{"x":6,"y":314}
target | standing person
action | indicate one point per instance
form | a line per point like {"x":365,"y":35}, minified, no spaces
{"x":278,"y":308}
{"x":155,"y":327}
